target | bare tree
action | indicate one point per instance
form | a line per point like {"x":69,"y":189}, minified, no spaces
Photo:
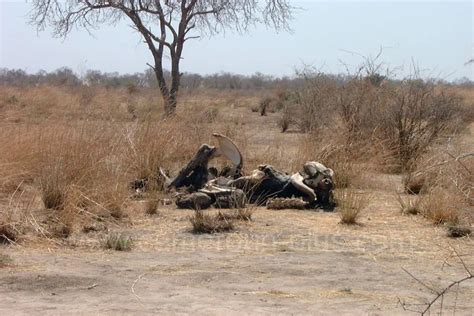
{"x":165,"y":25}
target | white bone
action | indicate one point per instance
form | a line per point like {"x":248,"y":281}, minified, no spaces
{"x":297,"y":181}
{"x":228,"y":148}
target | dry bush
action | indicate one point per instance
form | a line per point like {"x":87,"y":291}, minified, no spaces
{"x":447,"y":171}
{"x":312,"y":108}
{"x":264,"y":104}
{"x":350,"y":204}
{"x":151,"y":206}
{"x":447,"y":184}
{"x":357,"y":103}
{"x":401,"y":119}
{"x":417,"y":114}
{"x":272,"y":103}
{"x":210,"y":224}
{"x":117,"y":241}
{"x":284,"y":121}
{"x":440,"y":207}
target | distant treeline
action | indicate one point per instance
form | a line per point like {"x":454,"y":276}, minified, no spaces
{"x":189,"y":81}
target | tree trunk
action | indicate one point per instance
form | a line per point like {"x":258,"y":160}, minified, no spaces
{"x":170,"y":99}
{"x":170,"y":104}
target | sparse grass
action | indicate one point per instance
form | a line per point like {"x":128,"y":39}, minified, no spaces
{"x":60,"y":230}
{"x":350,"y":204}
{"x":151,"y":206}
{"x":284,"y":121}
{"x":345,"y":173}
{"x":115,"y":208}
{"x":5,"y":260}
{"x":409,"y":206}
{"x":441,"y":207}
{"x":53,"y":195}
{"x":8,"y":233}
{"x":243,"y":214}
{"x":414,"y":184}
{"x":117,"y":241}
{"x":80,"y":147}
{"x":209,"y":224}
{"x":283,"y":203}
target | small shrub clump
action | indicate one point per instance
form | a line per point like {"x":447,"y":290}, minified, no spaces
{"x":350,"y":205}
{"x":117,"y":241}
{"x":440,"y":208}
{"x":151,"y":206}
{"x":210,"y":224}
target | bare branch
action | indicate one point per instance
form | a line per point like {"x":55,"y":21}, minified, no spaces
{"x":441,"y":293}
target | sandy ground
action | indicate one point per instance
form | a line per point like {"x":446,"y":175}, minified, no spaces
{"x":283,"y":262}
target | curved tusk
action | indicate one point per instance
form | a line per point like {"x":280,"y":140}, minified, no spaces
{"x":229,"y":149}
{"x":331,"y":173}
{"x":297,"y":181}
{"x":167,"y":179}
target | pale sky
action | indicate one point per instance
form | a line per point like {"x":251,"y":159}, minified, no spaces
{"x":437,"y":36}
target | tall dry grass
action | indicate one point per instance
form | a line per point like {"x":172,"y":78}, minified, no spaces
{"x":72,"y":152}
{"x":69,"y":153}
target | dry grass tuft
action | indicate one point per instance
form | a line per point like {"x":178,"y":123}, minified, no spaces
{"x":440,"y":207}
{"x":350,"y":204}
{"x":12,"y":221}
{"x":210,"y":224}
{"x":409,"y":206}
{"x":60,"y":230}
{"x":117,"y":241}
{"x":53,"y":189}
{"x":8,"y":233}
{"x":243,"y":214}
{"x":284,"y":122}
{"x":151,"y":206}
{"x":5,"y":260}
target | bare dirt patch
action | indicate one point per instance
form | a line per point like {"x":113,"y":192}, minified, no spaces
{"x":285,"y":261}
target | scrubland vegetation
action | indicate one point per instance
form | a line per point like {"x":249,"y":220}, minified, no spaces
{"x":401,"y":149}
{"x":71,"y":147}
